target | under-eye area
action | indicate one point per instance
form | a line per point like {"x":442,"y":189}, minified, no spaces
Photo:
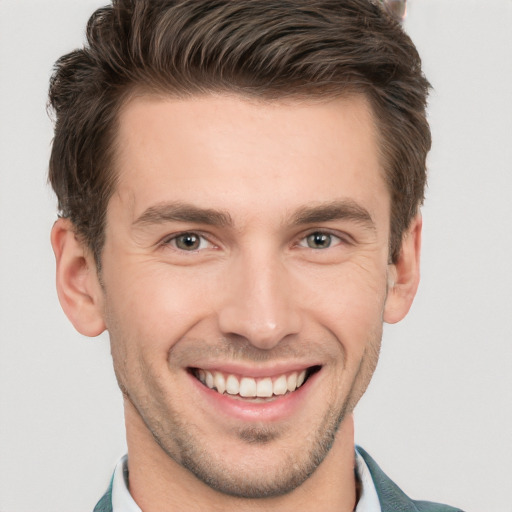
{"x":253,"y":388}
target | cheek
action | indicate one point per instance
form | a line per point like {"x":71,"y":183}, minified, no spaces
{"x":157,"y":304}
{"x":346,"y":291}
{"x":351,"y":306}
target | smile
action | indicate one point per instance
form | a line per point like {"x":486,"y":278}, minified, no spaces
{"x":249,"y":387}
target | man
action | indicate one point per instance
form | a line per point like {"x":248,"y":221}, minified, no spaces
{"x":239,"y":186}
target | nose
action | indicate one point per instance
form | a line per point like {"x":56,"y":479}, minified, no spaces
{"x":258,"y":301}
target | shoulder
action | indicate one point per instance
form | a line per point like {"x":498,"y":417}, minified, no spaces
{"x":392,"y":498}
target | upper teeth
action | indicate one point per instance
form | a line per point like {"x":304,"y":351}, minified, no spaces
{"x":248,"y":387}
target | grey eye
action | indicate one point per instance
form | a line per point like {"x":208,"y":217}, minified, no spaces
{"x":188,"y":242}
{"x":319,"y":240}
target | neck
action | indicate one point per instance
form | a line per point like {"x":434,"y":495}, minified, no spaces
{"x":157,"y":482}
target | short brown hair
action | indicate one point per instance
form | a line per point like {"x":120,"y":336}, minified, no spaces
{"x":261,"y":48}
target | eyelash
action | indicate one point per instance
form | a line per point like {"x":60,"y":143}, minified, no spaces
{"x":172,"y":241}
{"x":336,"y":239}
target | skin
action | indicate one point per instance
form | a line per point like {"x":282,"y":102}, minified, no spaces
{"x":256,"y":184}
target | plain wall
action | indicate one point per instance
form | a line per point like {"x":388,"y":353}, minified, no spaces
{"x":438,"y":414}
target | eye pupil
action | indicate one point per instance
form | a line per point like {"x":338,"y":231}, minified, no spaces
{"x":319,"y":240}
{"x":188,"y":242}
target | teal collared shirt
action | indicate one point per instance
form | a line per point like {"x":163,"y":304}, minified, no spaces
{"x":391,"y":497}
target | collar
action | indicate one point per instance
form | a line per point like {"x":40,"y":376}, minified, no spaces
{"x":369,"y":500}
{"x":122,"y":500}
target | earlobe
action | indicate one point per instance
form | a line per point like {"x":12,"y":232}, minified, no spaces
{"x":78,"y":287}
{"x":404,"y":275}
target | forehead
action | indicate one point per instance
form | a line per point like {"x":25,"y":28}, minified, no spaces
{"x":228,"y":151}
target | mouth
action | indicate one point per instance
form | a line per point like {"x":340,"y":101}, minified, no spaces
{"x":252,"y":388}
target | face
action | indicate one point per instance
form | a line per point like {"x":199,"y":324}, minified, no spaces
{"x":244,"y":280}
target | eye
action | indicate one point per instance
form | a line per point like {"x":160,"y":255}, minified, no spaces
{"x":320,"y":240}
{"x":188,"y":242}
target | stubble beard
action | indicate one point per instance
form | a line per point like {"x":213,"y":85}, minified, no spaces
{"x":182,"y":443}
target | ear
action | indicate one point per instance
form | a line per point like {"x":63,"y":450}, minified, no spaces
{"x":404,"y":275}
{"x":78,"y":287}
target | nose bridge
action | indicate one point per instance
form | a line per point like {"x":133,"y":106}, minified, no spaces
{"x":258,"y":304}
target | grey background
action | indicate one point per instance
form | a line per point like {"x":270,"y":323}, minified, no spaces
{"x":438,"y":414}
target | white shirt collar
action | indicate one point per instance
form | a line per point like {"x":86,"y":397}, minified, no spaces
{"x":122,"y":500}
{"x":369,"y":500}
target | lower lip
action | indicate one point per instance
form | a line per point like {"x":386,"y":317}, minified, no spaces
{"x":277,"y":409}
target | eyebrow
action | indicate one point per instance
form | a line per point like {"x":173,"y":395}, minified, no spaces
{"x":182,"y":212}
{"x":345,"y":209}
